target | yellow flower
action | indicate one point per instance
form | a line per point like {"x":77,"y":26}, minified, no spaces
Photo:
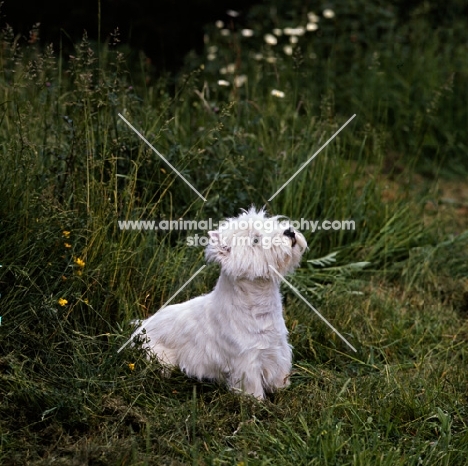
{"x":66,"y":233}
{"x":79,"y":273}
{"x":86,"y":301}
{"x":79,"y":262}
{"x":62,"y":302}
{"x":131,"y":366}
{"x":67,"y":245}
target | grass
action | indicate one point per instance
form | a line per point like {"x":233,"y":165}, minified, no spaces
{"x":71,"y":280}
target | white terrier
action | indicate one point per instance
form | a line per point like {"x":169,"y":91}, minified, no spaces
{"x":237,"y":332}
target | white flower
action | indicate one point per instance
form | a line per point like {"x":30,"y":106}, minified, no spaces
{"x":293,"y":40}
{"x":225,"y":32}
{"x":288,"y":50}
{"x":212,"y":49}
{"x":328,"y":13}
{"x":232,"y":13}
{"x":299,"y":31}
{"x":312,"y":26}
{"x":231,"y":68}
{"x":240,"y":80}
{"x":313,"y":18}
{"x":276,"y":93}
{"x":270,"y":39}
{"x":258,"y":56}
{"x":247,"y":32}
{"x":223,"y":82}
{"x":223,"y":70}
{"x":211,"y":56}
{"x":219,"y":24}
{"x":270,"y":59}
{"x":278,"y":32}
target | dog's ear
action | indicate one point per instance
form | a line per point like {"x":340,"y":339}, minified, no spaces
{"x":217,"y":249}
{"x":214,"y":236}
{"x":219,"y":241}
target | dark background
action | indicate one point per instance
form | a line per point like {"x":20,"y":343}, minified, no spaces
{"x":167,"y":30}
{"x":164,"y":30}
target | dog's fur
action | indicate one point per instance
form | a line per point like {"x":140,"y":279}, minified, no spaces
{"x":237,"y":332}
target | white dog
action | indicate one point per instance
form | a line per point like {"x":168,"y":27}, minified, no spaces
{"x":237,"y":332}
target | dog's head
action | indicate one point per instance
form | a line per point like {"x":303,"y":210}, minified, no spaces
{"x":246,"y":246}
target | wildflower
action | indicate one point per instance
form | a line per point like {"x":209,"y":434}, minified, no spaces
{"x":288,"y":50}
{"x":328,"y":13}
{"x":212,"y":49}
{"x":258,"y":56}
{"x":270,"y":59}
{"x":62,"y":302}
{"x":79,"y":262}
{"x":313,"y":18}
{"x":64,"y":278}
{"x":67,"y":245}
{"x":312,"y":26}
{"x":66,"y":233}
{"x":293,"y":40}
{"x":247,"y":32}
{"x":276,"y":93}
{"x":225,"y":32}
{"x":131,"y":366}
{"x":223,"y":70}
{"x":270,"y":39}
{"x":299,"y":31}
{"x":211,"y":56}
{"x":223,"y":82}
{"x":278,"y":32}
{"x":232,"y":13}
{"x":240,"y":80}
{"x":79,"y":273}
{"x":231,"y":68}
{"x":219,"y":24}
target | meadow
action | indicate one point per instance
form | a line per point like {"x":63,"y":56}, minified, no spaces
{"x":237,"y":122}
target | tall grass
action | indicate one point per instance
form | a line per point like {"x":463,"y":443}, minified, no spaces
{"x":71,"y":280}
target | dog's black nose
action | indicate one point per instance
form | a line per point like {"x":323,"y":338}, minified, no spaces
{"x":290,"y":234}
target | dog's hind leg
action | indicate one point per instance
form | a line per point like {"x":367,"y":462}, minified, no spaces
{"x":167,"y":357}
